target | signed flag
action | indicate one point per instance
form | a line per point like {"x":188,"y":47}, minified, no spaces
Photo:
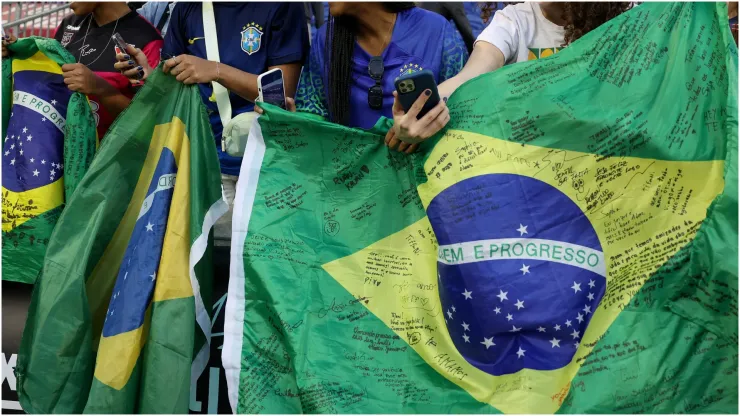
{"x":566,"y":244}
{"x":49,"y":141}
{"x":120,"y":318}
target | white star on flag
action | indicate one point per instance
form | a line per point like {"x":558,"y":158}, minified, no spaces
{"x":28,"y":138}
{"x":126,"y":275}
{"x":43,"y":162}
{"x":453,"y":309}
{"x":12,"y":146}
{"x":7,"y":138}
{"x":520,"y":353}
{"x":555,"y":342}
{"x":468,"y":294}
{"x":515,"y":329}
{"x":488,"y":342}
{"x":580,"y":318}
{"x":43,"y":119}
{"x":509,"y":317}
{"x":502,"y":295}
{"x":33,"y":160}
{"x":524,"y":269}
{"x":575,"y":334}
{"x":465,"y":326}
{"x":519,"y":304}
{"x":149,"y":226}
{"x":568,"y":323}
{"x":576,"y":287}
{"x":466,"y":338}
{"x":35,"y":172}
{"x":21,"y":152}
{"x":522,"y":230}
{"x":590,"y":296}
{"x":576,"y":344}
{"x":557,"y":327}
{"x":497,"y":310}
{"x":449,"y":314}
{"x":153,"y":276}
{"x":587,"y":309}
{"x":591,"y":283}
{"x":25,"y":129}
{"x":53,"y":102}
{"x":541,"y":329}
{"x":7,"y":152}
{"x":12,"y":161}
{"x":53,"y":172}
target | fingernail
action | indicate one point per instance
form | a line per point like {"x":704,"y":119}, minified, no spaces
{"x":131,"y":62}
{"x":445,"y":99}
{"x":428,"y":93}
{"x":140,"y":68}
{"x":126,"y":57}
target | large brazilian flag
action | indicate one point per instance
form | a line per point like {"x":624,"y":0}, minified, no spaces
{"x":567,"y":244}
{"x":49,"y":141}
{"x":120,"y":317}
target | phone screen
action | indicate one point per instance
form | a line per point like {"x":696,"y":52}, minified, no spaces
{"x":272,"y":89}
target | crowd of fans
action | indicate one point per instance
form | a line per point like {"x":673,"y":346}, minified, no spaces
{"x":323,"y":49}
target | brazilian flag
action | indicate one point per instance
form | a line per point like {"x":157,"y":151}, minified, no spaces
{"x":120,"y":319}
{"x":567,"y":244}
{"x":49,"y":141}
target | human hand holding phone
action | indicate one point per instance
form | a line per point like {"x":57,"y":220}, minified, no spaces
{"x":132,"y":62}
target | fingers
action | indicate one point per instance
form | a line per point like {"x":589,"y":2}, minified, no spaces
{"x":433,"y":113}
{"x":258,"y":109}
{"x":169,"y":64}
{"x":437,"y":125}
{"x":393,"y":143}
{"x":419,"y":104}
{"x":290,"y":104}
{"x":390,"y":135}
{"x":413,"y":148}
{"x":403,"y":146}
{"x":69,"y":67}
{"x":397,"y":108}
{"x":182,"y":75}
{"x":124,"y":65}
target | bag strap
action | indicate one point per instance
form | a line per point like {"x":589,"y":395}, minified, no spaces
{"x":165,"y":16}
{"x":209,"y":32}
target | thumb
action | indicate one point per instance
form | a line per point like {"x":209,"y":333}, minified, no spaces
{"x":290,"y":104}
{"x":69,"y":67}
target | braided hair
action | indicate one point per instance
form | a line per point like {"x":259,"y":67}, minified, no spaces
{"x":339,"y":47}
{"x":584,"y":17}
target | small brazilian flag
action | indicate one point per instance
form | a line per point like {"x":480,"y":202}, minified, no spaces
{"x":49,"y":141}
{"x":120,"y":317}
{"x":567,"y":244}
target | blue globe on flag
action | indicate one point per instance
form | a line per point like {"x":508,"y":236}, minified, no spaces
{"x":521,"y":272}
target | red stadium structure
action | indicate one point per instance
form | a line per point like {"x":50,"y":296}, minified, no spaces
{"x":24,"y":19}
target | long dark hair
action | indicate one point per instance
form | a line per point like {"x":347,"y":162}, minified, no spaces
{"x":339,"y":47}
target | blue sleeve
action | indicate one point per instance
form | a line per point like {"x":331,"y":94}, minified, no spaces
{"x":473,"y":12}
{"x":148,"y":11}
{"x":454,"y":53}
{"x":174,"y":40}
{"x":311,"y":96}
{"x":288,"y":41}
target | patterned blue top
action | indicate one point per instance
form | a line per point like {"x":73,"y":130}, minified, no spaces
{"x":420,"y":40}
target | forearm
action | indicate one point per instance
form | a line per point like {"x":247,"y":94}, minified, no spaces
{"x":485,"y":58}
{"x":113,"y":101}
{"x":242,"y":83}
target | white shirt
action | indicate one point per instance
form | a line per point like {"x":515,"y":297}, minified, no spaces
{"x":522,"y":33}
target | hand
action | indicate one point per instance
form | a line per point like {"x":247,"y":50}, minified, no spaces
{"x":391,"y":141}
{"x":289,"y":104}
{"x":410,"y":130}
{"x":133,"y":65}
{"x":80,"y":78}
{"x":190,"y":69}
{"x":7,"y":41}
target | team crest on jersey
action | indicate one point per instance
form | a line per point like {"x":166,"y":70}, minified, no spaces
{"x":410,"y":69}
{"x":252,"y":38}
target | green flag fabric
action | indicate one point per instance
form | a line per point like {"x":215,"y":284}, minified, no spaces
{"x":49,"y":142}
{"x":120,"y":317}
{"x":567,"y":243}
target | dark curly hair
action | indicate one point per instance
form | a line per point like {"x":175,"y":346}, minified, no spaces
{"x":582,"y":18}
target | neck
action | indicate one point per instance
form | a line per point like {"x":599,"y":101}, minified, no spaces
{"x":553,"y":12}
{"x":105,"y":13}
{"x":374,"y":22}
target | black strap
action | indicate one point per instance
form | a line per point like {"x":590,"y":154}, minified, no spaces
{"x":165,"y":16}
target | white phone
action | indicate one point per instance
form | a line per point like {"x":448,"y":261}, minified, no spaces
{"x":271,"y":88}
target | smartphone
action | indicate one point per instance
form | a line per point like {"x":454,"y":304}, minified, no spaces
{"x":120,"y":43}
{"x":411,"y":86}
{"x":271,"y":88}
